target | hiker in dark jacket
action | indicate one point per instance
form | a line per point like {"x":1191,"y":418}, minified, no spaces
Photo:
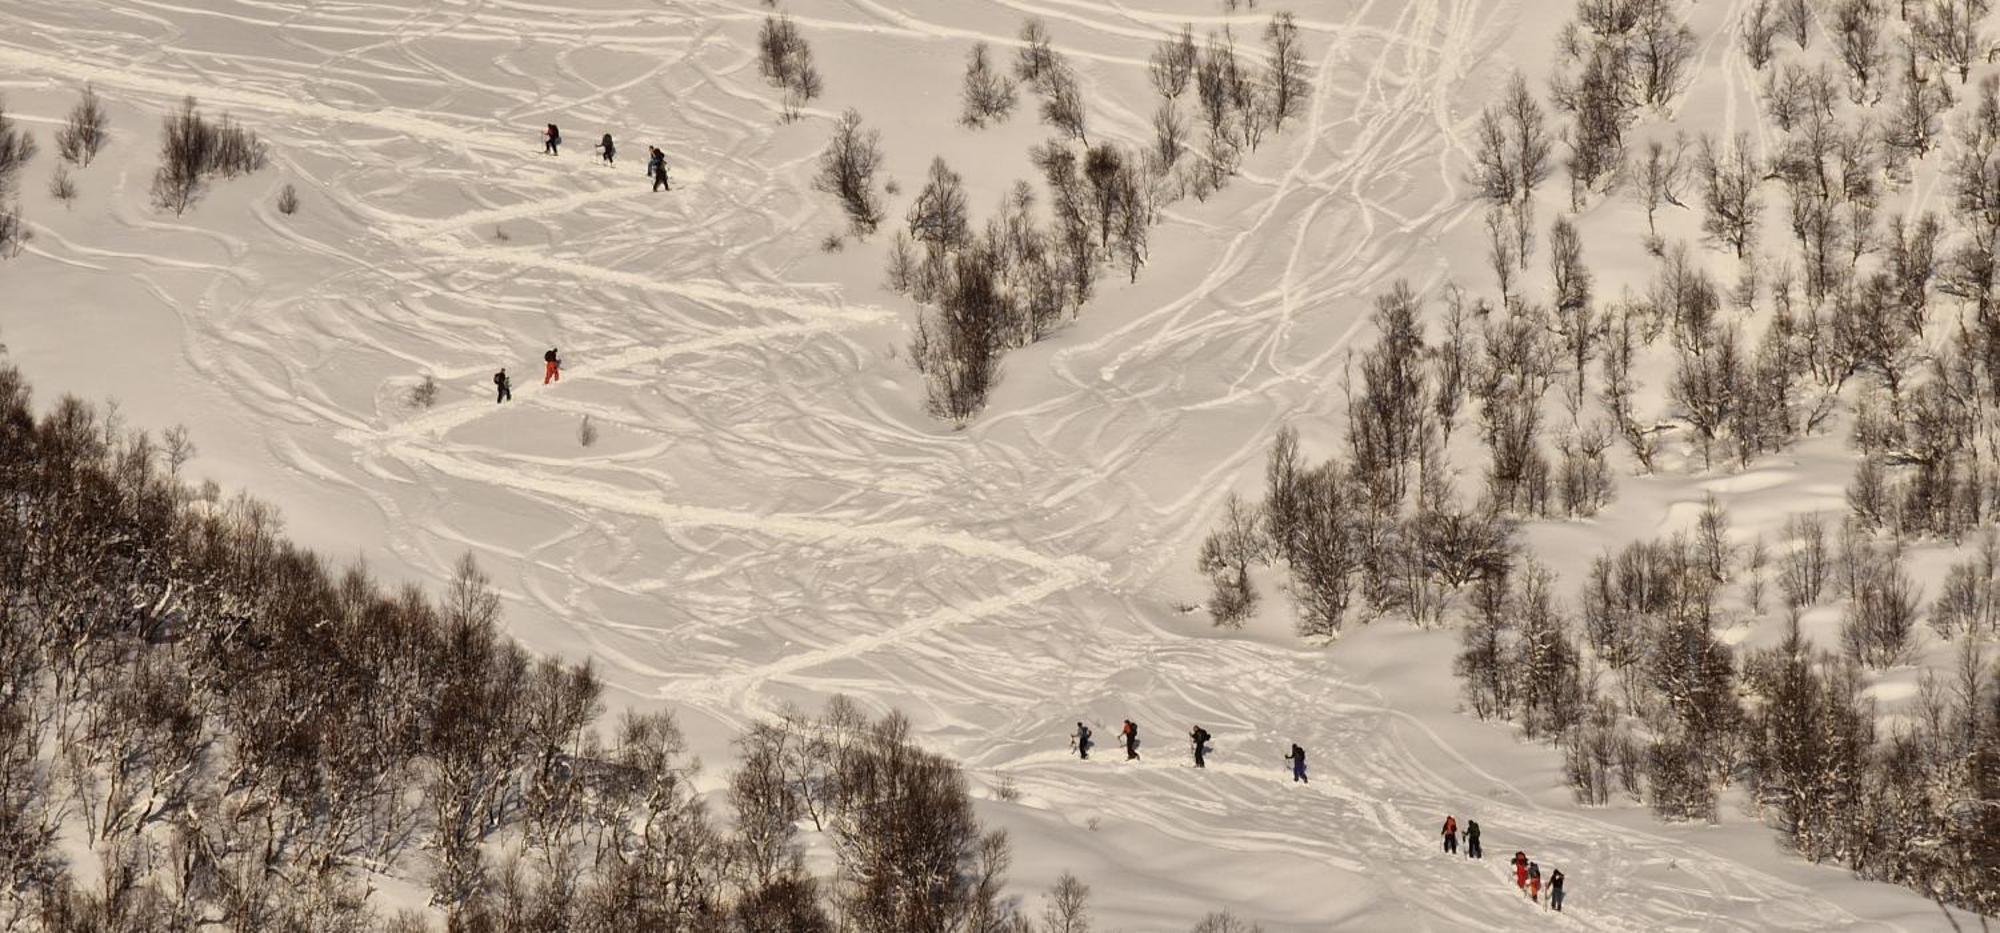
{"x":1298,"y":760}
{"x":1556,"y":890}
{"x":609,"y":149}
{"x":551,"y":139}
{"x":1472,"y":839}
{"x":1081,"y":740}
{"x":504,"y":384}
{"x":656,"y":169}
{"x":1200,"y":739}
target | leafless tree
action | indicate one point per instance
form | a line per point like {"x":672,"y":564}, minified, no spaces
{"x":84,"y":130}
{"x":1729,"y":180}
{"x":847,"y":171}
{"x":1663,"y":50}
{"x":1797,"y":17}
{"x":1226,"y":557}
{"x":1286,"y":68}
{"x":1857,"y":36}
{"x":1068,"y":906}
{"x":988,"y":94}
{"x":1172,"y":64}
{"x":1759,"y":27}
{"x":1036,"y":58}
{"x":17,"y":147}
{"x":1062,"y":102}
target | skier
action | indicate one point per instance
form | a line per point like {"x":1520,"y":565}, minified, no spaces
{"x":1520,"y":864}
{"x":1080,"y":740}
{"x":608,"y":148}
{"x":1200,"y":739}
{"x":1131,"y":734}
{"x":1534,"y":882}
{"x":551,"y":138}
{"x":656,"y":168}
{"x":1451,"y":834}
{"x":551,"y":367}
{"x":1472,"y":839}
{"x":1298,"y":760}
{"x":1556,"y":890}
{"x":504,"y":384}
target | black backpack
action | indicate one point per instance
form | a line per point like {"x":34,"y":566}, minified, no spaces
{"x":1200,"y":736}
{"x":1298,"y":754}
{"x":549,"y":357}
{"x":500,"y":378}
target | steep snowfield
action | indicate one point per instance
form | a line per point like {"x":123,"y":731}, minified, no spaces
{"x":768,"y":516}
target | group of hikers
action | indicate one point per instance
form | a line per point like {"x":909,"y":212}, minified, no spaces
{"x":1128,"y":734}
{"x":551,"y":372}
{"x":1527,"y":874}
{"x":656,"y":161}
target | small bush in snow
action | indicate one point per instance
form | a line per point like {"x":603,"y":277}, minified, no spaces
{"x":424,"y":394}
{"x":62,"y":186}
{"x":586,"y":432}
{"x":288,"y":200}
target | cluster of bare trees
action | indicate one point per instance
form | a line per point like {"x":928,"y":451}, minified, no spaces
{"x":1010,"y":283}
{"x":786,"y":61}
{"x":1236,"y":102}
{"x":240,"y":731}
{"x":1615,"y":58}
{"x":1380,"y":530}
{"x":193,"y":150}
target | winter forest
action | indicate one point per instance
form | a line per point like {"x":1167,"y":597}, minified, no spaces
{"x":1575,"y":419}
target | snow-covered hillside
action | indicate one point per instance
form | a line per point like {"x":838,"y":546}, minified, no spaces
{"x":767,"y":514}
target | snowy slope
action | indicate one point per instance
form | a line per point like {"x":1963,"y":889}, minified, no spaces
{"x":768,"y":515}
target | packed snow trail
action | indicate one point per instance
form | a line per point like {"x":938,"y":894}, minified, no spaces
{"x":768,"y":517}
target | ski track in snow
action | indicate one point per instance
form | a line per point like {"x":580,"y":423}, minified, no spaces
{"x":765,"y":531}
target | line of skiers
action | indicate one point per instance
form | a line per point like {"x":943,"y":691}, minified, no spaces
{"x":551,"y":372}
{"x":1128,"y":734}
{"x":656,"y":161}
{"x":1527,"y":873}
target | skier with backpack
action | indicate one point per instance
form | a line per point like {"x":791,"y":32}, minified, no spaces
{"x":1534,"y":882}
{"x":1080,"y":740}
{"x":656,"y":168}
{"x":551,"y":139}
{"x":1200,"y":739}
{"x":551,"y":367}
{"x":1472,"y":839}
{"x":1520,"y":864}
{"x":1298,"y":760}
{"x":609,"y":149}
{"x":1450,"y":835}
{"x":504,"y":384}
{"x":1556,"y":890}
{"x":1131,"y":734}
